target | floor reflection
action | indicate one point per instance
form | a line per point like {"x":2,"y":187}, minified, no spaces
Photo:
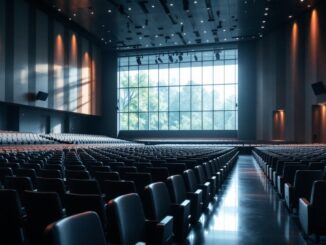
{"x":248,"y":211}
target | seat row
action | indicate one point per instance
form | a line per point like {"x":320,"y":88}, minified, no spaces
{"x":299,"y":177}
{"x":163,"y":211}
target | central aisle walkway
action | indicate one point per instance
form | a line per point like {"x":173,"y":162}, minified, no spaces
{"x":248,"y":211}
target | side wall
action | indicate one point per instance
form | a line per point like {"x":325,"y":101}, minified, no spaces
{"x":289,"y":60}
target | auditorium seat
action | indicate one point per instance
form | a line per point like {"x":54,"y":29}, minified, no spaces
{"x":140,"y":179}
{"x":53,"y":167}
{"x":11,"y":218}
{"x":114,"y":188}
{"x":80,"y":229}
{"x":195,"y":194}
{"x":175,"y":168}
{"x":13,"y":166}
{"x":20,"y":184}
{"x":301,"y":188}
{"x":93,"y":169}
{"x":287,"y":176}
{"x":180,"y":199}
{"x":317,"y":165}
{"x":158,"y":207}
{"x":25,"y":172}
{"x":312,"y":211}
{"x":42,"y":208}
{"x":159,"y":174}
{"x":51,"y":185}
{"x":35,"y":166}
{"x":127,"y":224}
{"x":75,"y":167}
{"x":200,"y":176}
{"x":209,"y":176}
{"x":81,"y":186}
{"x":78,"y":203}
{"x":76,"y":174}
{"x":50,"y":173}
{"x":122,"y":170}
{"x":5,"y":171}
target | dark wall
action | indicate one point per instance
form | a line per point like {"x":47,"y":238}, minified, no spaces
{"x":289,"y":60}
{"x":247,"y":91}
{"x":40,"y":51}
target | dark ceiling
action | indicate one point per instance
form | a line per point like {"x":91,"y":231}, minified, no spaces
{"x":130,"y":24}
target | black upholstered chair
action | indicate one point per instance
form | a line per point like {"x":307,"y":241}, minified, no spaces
{"x":140,"y":179}
{"x":200,"y":176}
{"x":77,"y":174}
{"x":81,"y":186}
{"x":78,"y":203}
{"x":26,"y":172}
{"x":11,"y":218}
{"x":42,"y":208}
{"x":80,"y":229}
{"x":20,"y":184}
{"x":115,"y":188}
{"x":301,"y":188}
{"x":50,"y":173}
{"x":51,"y":185}
{"x":127,"y":224}
{"x":195,"y":195}
{"x":159,"y":174}
{"x":5,"y":171}
{"x":312,"y":211}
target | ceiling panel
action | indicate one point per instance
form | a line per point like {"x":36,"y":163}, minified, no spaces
{"x":130,"y":24}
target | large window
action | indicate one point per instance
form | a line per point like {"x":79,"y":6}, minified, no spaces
{"x":189,"y":91}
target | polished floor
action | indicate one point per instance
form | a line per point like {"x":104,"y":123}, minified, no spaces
{"x":248,"y":211}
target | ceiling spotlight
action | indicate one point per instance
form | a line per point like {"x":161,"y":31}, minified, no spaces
{"x":138,"y":61}
{"x":159,"y":59}
{"x":290,"y":16}
{"x":171,"y":58}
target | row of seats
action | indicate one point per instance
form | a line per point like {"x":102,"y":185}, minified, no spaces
{"x":166,"y":202}
{"x":15,"y":138}
{"x":81,"y":139}
{"x":298,"y":174}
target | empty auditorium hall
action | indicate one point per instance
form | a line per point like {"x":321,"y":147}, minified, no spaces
{"x":162,"y":122}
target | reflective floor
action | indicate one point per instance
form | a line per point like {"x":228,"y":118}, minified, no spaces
{"x":248,"y":211}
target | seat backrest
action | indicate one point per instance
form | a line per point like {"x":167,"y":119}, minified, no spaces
{"x":207,"y":170}
{"x":51,"y":185}
{"x":317,"y":165}
{"x":303,"y":181}
{"x":84,"y":186}
{"x":50,"y":173}
{"x":75,"y":167}
{"x":10,"y":221}
{"x":290,"y":170}
{"x":102,"y":176}
{"x":177,"y":189}
{"x":157,"y":201}
{"x":126,"y":220}
{"x":42,"y":208}
{"x":25,"y":172}
{"x":78,"y":203}
{"x":5,"y":171}
{"x":76,"y":174}
{"x":34,"y":166}
{"x":140,"y":179}
{"x":53,"y":166}
{"x":175,"y":168}
{"x":318,"y":201}
{"x":18,"y":183}
{"x":190,"y":180}
{"x":113,"y":189}
{"x":199,"y":173}
{"x":70,"y":230}
{"x":159,"y":174}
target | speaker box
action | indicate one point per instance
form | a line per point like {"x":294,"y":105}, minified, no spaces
{"x":318,"y":88}
{"x":42,"y":96}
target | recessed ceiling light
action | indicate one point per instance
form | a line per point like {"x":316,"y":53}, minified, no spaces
{"x":129,"y":9}
{"x":266,"y":14}
{"x":225,"y":39}
{"x":153,"y":6}
{"x":207,"y":41}
{"x":175,"y":43}
{"x":181,"y":23}
{"x":195,"y":2}
{"x":109,"y":10}
{"x":172,"y":35}
{"x":69,"y":18}
{"x":156,"y":36}
{"x":59,"y":10}
{"x":92,"y":13}
{"x":205,"y":32}
{"x":184,"y":33}
{"x":201,"y":21}
{"x":264,"y":21}
{"x":171,"y":4}
{"x":266,"y":9}
{"x":262,"y":27}
{"x":74,"y":14}
{"x":309,"y":6}
{"x":110,"y":41}
{"x":290,"y":16}
{"x":224,"y":30}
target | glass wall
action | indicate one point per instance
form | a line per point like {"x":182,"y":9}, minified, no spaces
{"x":182,"y":91}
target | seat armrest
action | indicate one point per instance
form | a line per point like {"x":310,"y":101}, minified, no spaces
{"x":305,"y":215}
{"x":304,"y":202}
{"x":159,"y":232}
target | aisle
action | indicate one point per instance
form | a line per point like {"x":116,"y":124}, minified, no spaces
{"x":248,"y":212}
